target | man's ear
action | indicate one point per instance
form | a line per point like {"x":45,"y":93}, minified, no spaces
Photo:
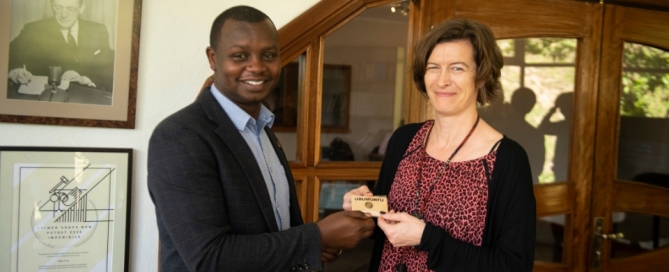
{"x":211,"y":57}
{"x":81,"y":8}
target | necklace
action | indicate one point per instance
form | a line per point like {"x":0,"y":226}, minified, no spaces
{"x":419,"y":212}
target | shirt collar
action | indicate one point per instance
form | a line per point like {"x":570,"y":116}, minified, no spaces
{"x":75,"y":29}
{"x":239,"y":117}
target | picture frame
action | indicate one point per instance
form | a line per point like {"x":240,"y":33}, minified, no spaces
{"x":65,"y":208}
{"x":110,"y":103}
{"x":335,"y":99}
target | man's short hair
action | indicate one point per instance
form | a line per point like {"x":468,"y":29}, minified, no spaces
{"x":237,"y":13}
{"x":81,"y":2}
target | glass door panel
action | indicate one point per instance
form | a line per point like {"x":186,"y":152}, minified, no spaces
{"x":632,"y":144}
{"x":643,"y":145}
{"x":330,"y":200}
{"x":642,"y":233}
{"x":283,"y":102}
{"x":536,"y":110}
{"x":550,"y":239}
{"x":363,"y":83}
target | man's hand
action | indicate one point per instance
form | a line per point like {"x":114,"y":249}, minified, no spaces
{"x":360,"y":191}
{"x":20,"y":76}
{"x":73,"y":76}
{"x":402,"y":229}
{"x":345,"y":229}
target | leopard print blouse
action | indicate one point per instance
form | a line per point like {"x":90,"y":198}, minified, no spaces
{"x":457,"y":202}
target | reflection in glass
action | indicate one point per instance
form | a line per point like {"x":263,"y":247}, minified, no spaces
{"x":550,"y":239}
{"x":283,"y":103}
{"x":644,"y":113}
{"x":330,"y":201}
{"x":642,"y":233}
{"x":538,"y":82}
{"x":373,"y":45}
{"x":335,"y":98}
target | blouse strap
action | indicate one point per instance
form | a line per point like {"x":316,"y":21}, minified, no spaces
{"x":495,"y":146}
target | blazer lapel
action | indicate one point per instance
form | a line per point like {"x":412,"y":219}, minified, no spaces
{"x":242,"y":153}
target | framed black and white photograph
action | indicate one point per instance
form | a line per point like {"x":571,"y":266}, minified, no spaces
{"x":64,"y":209}
{"x":69,"y":62}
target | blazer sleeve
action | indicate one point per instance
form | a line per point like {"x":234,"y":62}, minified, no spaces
{"x":509,"y":235}
{"x":184,"y":180}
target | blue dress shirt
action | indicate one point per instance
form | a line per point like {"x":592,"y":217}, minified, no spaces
{"x":272,"y":171}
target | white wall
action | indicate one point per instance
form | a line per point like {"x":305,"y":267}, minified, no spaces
{"x":172,"y":67}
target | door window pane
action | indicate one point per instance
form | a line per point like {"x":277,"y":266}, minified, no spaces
{"x":644,"y":113}
{"x":641,"y":233}
{"x":362,"y":106}
{"x":538,"y":83}
{"x":283,"y":103}
{"x":331,"y":199}
{"x":643,"y":146}
{"x":549,"y":245}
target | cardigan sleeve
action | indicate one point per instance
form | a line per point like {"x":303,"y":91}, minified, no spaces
{"x":509,"y":234}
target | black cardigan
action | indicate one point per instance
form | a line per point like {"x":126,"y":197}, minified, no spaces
{"x":510,"y":223}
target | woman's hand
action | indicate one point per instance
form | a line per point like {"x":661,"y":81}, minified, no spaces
{"x":402,"y":229}
{"x":329,"y":255}
{"x":360,"y":191}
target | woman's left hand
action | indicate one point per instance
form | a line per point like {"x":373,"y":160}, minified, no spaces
{"x":401,"y":229}
{"x":329,"y":255}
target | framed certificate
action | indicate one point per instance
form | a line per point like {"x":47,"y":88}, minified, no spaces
{"x":64,"y":209}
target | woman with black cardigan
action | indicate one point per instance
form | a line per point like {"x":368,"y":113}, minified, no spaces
{"x":459,"y":192}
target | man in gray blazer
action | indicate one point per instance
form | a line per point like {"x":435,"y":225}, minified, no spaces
{"x":224,"y":194}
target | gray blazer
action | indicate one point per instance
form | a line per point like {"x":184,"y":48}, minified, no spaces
{"x":213,"y":209}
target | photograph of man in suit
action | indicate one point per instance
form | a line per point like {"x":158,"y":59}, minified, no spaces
{"x":79,"y":47}
{"x":224,"y":194}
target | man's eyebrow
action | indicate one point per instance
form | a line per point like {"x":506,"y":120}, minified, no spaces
{"x":273,"y":47}
{"x":241,"y":46}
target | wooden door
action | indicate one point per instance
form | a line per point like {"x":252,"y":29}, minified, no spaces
{"x":583,"y":185}
{"x":565,"y":196}
{"x":632,"y":143}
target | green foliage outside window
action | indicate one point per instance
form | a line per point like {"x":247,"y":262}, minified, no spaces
{"x":550,"y":50}
{"x":645,"y":82}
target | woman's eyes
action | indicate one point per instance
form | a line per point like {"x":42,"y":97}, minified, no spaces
{"x":454,"y":68}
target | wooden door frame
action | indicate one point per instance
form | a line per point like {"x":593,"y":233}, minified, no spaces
{"x":582,"y":20}
{"x":562,"y":18}
{"x":643,"y":29}
{"x":566,"y":19}
{"x":305,"y":36}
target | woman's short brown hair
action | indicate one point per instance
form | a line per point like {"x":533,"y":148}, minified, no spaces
{"x":487,"y":55}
